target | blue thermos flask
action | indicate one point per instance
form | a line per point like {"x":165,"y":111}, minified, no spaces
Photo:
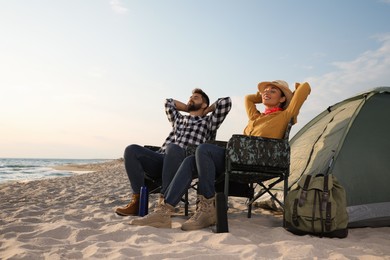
{"x":143,"y":201}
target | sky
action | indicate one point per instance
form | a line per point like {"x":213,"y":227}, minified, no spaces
{"x":84,"y":79}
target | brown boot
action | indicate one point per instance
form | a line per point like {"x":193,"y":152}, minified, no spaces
{"x":131,"y":209}
{"x":204,"y":216}
{"x":159,"y":218}
{"x":160,"y":199}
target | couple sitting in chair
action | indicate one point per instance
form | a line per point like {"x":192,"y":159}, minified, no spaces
{"x":177,"y":171}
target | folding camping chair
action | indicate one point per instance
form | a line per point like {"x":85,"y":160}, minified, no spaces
{"x":154,"y":185}
{"x":236,"y":188}
{"x":265,"y":161}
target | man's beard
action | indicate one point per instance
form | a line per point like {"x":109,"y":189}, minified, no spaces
{"x":194,"y":107}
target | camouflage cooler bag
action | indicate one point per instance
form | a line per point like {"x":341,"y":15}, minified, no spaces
{"x":254,"y":154}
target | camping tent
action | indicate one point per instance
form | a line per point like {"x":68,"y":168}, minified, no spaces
{"x":357,"y":132}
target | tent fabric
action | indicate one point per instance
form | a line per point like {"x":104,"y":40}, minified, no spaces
{"x":356,"y":132}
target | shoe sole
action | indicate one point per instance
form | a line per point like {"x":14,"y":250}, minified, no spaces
{"x":124,"y":214}
{"x":195,"y":227}
{"x":152,"y":224}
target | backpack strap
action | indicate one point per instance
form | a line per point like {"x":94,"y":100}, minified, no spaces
{"x":325,"y":194}
{"x":328,"y":221}
{"x":313,"y":211}
{"x":295,"y":213}
{"x":302,"y":198}
{"x":321,"y":215}
{"x":326,"y":204}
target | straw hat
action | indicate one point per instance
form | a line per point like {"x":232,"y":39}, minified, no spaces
{"x":282,"y":85}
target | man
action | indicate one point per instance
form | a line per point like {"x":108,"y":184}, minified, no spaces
{"x":209,"y":160}
{"x":194,"y":128}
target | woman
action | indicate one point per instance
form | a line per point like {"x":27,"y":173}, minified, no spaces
{"x":209,"y":161}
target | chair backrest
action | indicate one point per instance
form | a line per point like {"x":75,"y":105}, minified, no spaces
{"x":288,"y":129}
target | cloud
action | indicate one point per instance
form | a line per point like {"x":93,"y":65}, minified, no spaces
{"x":349,"y":78}
{"x":118,"y":7}
{"x":368,"y":70}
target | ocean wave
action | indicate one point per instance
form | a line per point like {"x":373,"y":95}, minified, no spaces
{"x":32,"y":169}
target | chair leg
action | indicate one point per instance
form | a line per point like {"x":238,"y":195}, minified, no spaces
{"x":226,"y":189}
{"x":267,"y":189}
{"x":186,"y":203}
{"x":250,"y":199}
{"x":285,"y":190}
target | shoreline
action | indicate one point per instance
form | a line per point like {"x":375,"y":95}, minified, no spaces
{"x":69,"y":168}
{"x":88,"y":167}
{"x":73,"y":218}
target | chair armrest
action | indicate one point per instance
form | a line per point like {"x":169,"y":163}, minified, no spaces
{"x":257,"y":151}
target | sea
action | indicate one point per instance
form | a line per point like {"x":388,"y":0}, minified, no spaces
{"x":21,"y":169}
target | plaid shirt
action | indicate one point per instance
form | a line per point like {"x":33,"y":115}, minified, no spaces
{"x":187,"y":129}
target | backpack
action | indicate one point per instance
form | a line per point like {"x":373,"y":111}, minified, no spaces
{"x":318,"y":206}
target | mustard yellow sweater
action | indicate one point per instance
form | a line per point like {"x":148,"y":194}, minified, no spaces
{"x":273,"y":125}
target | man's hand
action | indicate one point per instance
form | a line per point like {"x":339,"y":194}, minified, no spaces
{"x":180,"y":106}
{"x":209,"y":109}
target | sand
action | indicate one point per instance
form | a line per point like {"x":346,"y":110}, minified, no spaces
{"x":73,"y":218}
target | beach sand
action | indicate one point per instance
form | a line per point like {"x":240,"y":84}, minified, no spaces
{"x":73,"y":218}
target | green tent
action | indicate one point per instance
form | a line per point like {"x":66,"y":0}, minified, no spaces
{"x":357,"y":132}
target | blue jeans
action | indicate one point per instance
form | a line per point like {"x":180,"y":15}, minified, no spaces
{"x":140,"y":160}
{"x":208,"y":164}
